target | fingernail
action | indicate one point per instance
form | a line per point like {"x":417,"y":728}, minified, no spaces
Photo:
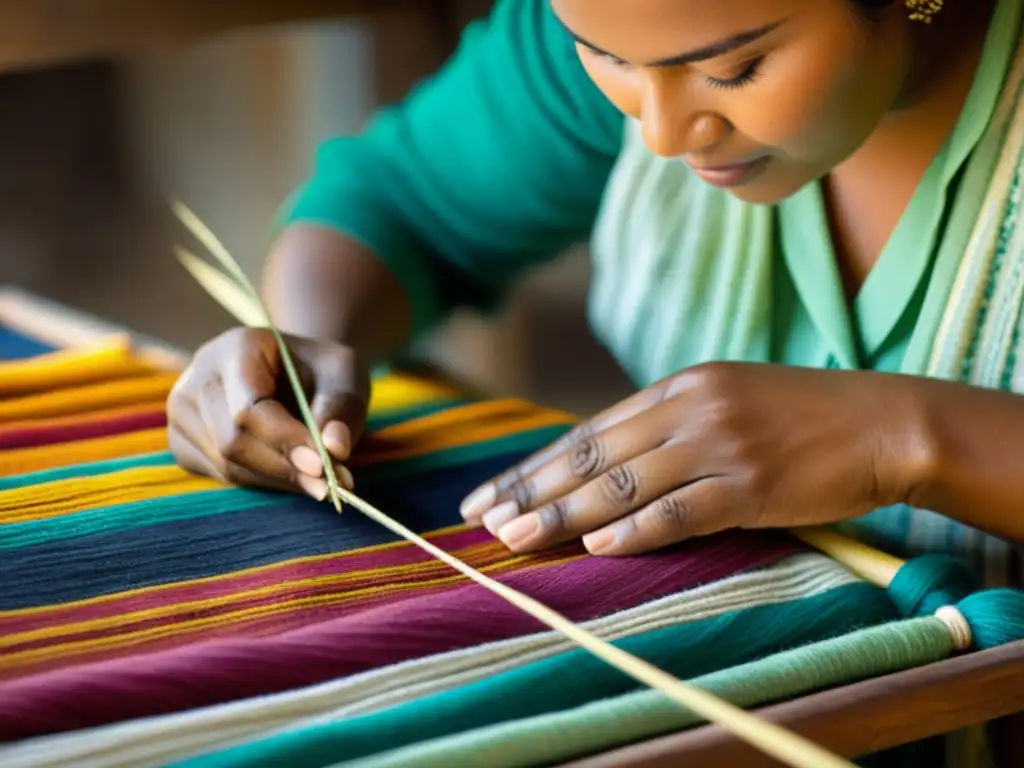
{"x":479,"y":501}
{"x":344,"y":476}
{"x":598,"y":541}
{"x":519,"y":530}
{"x":314,"y":486}
{"x":501,"y":514}
{"x":307,"y":461}
{"x":337,"y":440}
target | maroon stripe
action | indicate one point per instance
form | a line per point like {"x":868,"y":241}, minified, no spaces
{"x":203,"y":674}
{"x":30,"y":437}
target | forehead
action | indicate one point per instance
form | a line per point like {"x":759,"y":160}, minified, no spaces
{"x":647,"y":30}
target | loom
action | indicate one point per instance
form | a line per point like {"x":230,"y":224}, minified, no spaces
{"x":152,"y":618}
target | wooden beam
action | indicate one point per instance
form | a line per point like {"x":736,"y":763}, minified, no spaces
{"x":35,"y":33}
{"x":856,"y":720}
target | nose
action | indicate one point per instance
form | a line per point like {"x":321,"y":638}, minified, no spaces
{"x":673,"y":125}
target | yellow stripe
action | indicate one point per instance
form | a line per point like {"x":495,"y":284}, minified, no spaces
{"x":69,"y":368}
{"x":396,"y":391}
{"x":23,"y":460}
{"x":473,"y":413}
{"x":60,"y":497}
{"x":77,"y":648}
{"x":88,"y":397}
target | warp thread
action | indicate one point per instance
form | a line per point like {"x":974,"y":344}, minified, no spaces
{"x":571,"y":679}
{"x":157,"y":741}
{"x":459,"y":616}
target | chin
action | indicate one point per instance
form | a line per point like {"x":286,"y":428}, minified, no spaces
{"x":768,"y":191}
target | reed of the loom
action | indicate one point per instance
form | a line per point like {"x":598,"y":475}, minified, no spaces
{"x":239,"y":297}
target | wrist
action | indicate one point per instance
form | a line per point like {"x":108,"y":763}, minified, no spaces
{"x":908,"y":453}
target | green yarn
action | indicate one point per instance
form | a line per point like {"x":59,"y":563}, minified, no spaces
{"x":927,"y":583}
{"x":611,"y":723}
{"x":132,"y":515}
{"x":573,"y":678}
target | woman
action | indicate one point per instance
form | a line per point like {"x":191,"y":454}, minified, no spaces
{"x":803,"y":225}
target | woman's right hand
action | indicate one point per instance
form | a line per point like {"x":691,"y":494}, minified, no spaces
{"x":231,"y":414}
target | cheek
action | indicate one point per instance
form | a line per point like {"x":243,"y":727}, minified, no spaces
{"x":819,"y":99}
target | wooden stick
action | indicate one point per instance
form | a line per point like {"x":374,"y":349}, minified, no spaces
{"x":870,"y":564}
{"x":784,"y":745}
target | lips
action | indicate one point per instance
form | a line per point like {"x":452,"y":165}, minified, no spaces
{"x":730,"y":175}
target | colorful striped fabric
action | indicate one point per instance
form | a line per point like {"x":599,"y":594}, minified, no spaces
{"x":149,"y":617}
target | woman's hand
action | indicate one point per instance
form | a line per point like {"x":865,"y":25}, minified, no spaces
{"x":718,"y":446}
{"x":232,"y":416}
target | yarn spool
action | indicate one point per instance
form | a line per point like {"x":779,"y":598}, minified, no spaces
{"x":933,"y":585}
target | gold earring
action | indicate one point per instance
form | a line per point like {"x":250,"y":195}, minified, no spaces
{"x":923,"y":10}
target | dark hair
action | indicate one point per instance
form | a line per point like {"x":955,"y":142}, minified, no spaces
{"x":870,"y":8}
{"x":873,"y":5}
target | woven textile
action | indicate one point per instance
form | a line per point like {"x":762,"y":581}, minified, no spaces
{"x":150,"y":617}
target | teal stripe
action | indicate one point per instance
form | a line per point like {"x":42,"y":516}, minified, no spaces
{"x":613,"y":723}
{"x":91,"y":469}
{"x":207,"y":503}
{"x":138,"y":514}
{"x":570,"y":679}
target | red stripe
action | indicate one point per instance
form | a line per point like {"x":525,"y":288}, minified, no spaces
{"x":31,"y":437}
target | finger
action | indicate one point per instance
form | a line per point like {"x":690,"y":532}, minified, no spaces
{"x":699,"y":509}
{"x":245,"y":459}
{"x":514,"y":483}
{"x":190,"y":456}
{"x":341,"y":416}
{"x":249,"y":377}
{"x":614,"y":494}
{"x":591,"y":457}
{"x":341,"y":400}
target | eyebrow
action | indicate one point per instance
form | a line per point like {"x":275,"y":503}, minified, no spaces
{"x":712,"y":51}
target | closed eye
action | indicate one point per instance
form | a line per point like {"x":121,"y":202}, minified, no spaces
{"x":747,"y":76}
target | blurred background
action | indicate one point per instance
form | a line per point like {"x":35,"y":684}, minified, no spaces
{"x":109,"y":107}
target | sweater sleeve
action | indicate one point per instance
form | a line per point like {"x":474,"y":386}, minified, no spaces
{"x":494,"y":164}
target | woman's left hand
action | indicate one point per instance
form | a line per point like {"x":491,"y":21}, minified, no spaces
{"x":718,"y":446}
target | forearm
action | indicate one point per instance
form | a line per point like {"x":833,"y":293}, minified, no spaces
{"x":969,"y":461}
{"x":321,"y":284}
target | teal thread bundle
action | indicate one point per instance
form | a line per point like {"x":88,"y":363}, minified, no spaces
{"x":929,"y":583}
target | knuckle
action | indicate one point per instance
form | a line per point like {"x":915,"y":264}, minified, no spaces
{"x":671,"y":512}
{"x":554,"y":518}
{"x":621,"y":485}
{"x":586,"y":458}
{"x":522,"y":493}
{"x":232,"y":448}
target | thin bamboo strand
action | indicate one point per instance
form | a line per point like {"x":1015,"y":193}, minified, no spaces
{"x":771,"y":739}
{"x":205,"y":236}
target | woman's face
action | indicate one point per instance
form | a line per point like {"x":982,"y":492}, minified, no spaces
{"x":760,"y":96}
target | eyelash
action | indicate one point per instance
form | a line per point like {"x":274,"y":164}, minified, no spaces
{"x":734,"y":83}
{"x":744,"y":78}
